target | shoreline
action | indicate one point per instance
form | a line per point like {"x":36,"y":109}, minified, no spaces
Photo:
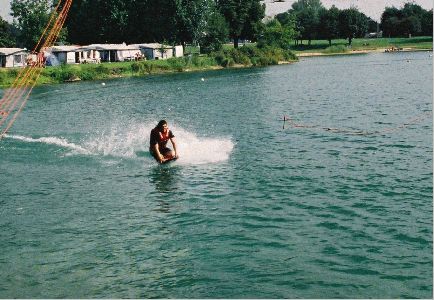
{"x":235,"y":66}
{"x":362,"y":51}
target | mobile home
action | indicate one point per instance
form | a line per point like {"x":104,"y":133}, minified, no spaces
{"x":13,"y":57}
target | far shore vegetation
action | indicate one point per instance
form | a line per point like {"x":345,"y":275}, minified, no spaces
{"x":214,"y":34}
{"x":246,"y":55}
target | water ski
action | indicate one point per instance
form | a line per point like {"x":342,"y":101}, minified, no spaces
{"x":169,"y":159}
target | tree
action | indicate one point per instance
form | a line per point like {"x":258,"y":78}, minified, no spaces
{"x":243,"y":17}
{"x":6,"y":36}
{"x":411,"y":19}
{"x":215,"y":34}
{"x":277,"y":35}
{"x":287,"y":19}
{"x":372,"y":25}
{"x":390,"y":26}
{"x":137,"y":21}
{"x":412,"y":9}
{"x":83,"y":23}
{"x":411,"y":26}
{"x":98,"y":21}
{"x":30,"y":17}
{"x":411,"y":22}
{"x":113,"y":15}
{"x":153,"y":21}
{"x":390,"y":20}
{"x":191,"y":18}
{"x":116,"y":21}
{"x":329,"y":24}
{"x":254,"y":25}
{"x":352,"y":23}
{"x":427,"y":23}
{"x":307,"y":15}
{"x":284,"y":18}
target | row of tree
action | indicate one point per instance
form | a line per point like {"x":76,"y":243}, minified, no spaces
{"x":206,"y":22}
{"x":309,"y":19}
{"x":410,"y":20}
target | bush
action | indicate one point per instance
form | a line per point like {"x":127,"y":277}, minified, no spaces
{"x":239,"y":57}
{"x":136,"y":67}
{"x":66,"y":72}
{"x":87,"y":75}
{"x":3,"y":78}
{"x":289,"y":55}
{"x":206,"y":61}
{"x":14,"y":72}
{"x":229,"y":57}
{"x":142,"y":67}
{"x":227,"y":62}
{"x":102,"y":69}
{"x":148,"y":67}
{"x":336,"y":49}
{"x":251,"y":51}
{"x":219,"y":57}
{"x":176,"y":63}
{"x":250,"y":55}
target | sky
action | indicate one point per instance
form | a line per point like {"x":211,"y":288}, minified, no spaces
{"x":371,"y":8}
{"x":5,"y":10}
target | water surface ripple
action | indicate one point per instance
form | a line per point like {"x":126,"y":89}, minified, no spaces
{"x":250,"y":210}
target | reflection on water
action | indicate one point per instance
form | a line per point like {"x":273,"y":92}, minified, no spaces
{"x":165,"y":178}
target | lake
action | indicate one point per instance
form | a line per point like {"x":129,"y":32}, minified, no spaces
{"x":334,"y":203}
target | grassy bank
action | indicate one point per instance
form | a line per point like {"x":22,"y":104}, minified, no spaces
{"x":253,"y":56}
{"x":340,"y":46}
{"x":85,"y":72}
{"x":242,"y":57}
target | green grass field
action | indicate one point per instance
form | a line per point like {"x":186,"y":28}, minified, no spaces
{"x":425,"y":42}
{"x":58,"y":74}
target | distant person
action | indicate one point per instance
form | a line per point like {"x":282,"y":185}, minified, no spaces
{"x":160,"y":135}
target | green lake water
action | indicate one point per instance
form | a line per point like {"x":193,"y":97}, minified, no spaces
{"x":339,"y":208}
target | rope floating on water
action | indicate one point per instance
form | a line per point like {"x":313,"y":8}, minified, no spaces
{"x":414,"y":120}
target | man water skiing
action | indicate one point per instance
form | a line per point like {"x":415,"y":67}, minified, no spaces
{"x":160,"y":135}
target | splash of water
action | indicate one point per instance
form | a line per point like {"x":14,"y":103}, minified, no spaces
{"x":61,"y":142}
{"x":128,"y":141}
{"x":121,"y":141}
{"x":196,"y":150}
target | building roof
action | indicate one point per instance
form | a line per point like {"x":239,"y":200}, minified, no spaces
{"x":107,"y":47}
{"x":154,"y":46}
{"x":64,"y":48}
{"x":10,"y":51}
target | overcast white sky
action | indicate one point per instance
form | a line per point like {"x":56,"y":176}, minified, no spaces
{"x":372,"y":8}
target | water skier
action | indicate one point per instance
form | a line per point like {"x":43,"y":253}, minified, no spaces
{"x":160,"y":135}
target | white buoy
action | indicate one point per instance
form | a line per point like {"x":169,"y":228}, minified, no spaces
{"x":203,"y":79}
{"x":103,"y":84}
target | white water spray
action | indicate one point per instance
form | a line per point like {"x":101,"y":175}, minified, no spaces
{"x":133,"y":142}
{"x":61,"y":142}
{"x":127,"y":141}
